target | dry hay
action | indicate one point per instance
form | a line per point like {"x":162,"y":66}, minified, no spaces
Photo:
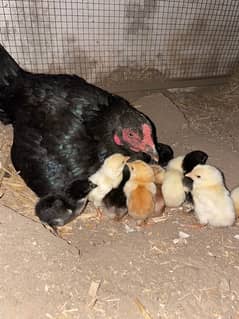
{"x":16,"y":195}
{"x":14,"y":192}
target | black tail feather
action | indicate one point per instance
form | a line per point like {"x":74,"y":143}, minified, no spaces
{"x":9,"y":73}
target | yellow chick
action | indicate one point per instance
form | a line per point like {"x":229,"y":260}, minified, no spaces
{"x":140,"y":191}
{"x":235,"y":198}
{"x":107,"y":177}
{"x":173,"y":189}
{"x":212,"y":202}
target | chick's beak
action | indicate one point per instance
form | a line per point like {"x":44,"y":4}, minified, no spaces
{"x":190,"y":175}
{"x":152,"y":152}
{"x":128,"y":164}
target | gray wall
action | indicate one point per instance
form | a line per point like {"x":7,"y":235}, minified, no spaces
{"x":178,"y":39}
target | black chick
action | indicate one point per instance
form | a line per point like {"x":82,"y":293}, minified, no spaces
{"x":64,"y":128}
{"x":115,"y":200}
{"x":60,"y":209}
{"x":191,"y":160}
{"x":165,"y":154}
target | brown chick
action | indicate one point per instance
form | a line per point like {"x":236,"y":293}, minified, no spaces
{"x":159,"y":200}
{"x":158,"y":174}
{"x":140,"y":191}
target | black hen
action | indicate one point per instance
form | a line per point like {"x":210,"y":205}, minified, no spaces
{"x":64,"y":127}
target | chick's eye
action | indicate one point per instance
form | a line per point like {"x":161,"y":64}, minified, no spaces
{"x":198,"y":176}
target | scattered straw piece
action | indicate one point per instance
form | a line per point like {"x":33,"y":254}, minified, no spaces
{"x":88,"y":215}
{"x":180,"y":241}
{"x":92,"y":293}
{"x":159,"y":219}
{"x":2,"y":171}
{"x":129,"y":229}
{"x":182,"y":234}
{"x":142,"y":309}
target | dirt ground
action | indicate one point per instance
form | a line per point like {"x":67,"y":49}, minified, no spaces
{"x":104,"y":269}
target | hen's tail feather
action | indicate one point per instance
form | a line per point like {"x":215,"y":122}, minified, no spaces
{"x":9,"y":73}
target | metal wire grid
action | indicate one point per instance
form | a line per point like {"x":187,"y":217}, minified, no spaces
{"x":177,"y":38}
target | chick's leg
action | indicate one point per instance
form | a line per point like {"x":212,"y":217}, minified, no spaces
{"x":99,"y":213}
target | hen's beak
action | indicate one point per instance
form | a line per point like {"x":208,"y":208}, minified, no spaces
{"x":152,"y":152}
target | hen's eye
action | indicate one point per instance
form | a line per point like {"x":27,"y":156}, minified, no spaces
{"x":198,"y":176}
{"x":131,"y":134}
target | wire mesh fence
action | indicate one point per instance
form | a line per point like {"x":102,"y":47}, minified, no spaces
{"x":176,"y":39}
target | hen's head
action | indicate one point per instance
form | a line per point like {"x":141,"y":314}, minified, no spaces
{"x":134,"y":131}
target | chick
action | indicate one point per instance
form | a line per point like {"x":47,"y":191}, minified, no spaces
{"x":235,"y":198}
{"x":159,"y":201}
{"x":192,"y":159}
{"x":140,"y":191}
{"x":212,"y":202}
{"x":172,"y":187}
{"x":159,"y":173}
{"x":189,"y":162}
{"x":107,"y":177}
{"x":58,"y":209}
{"x":115,"y":201}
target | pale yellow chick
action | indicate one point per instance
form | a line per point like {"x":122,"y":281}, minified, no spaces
{"x":172,"y":187}
{"x":235,"y":198}
{"x":212,"y":202}
{"x":107,"y":177}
